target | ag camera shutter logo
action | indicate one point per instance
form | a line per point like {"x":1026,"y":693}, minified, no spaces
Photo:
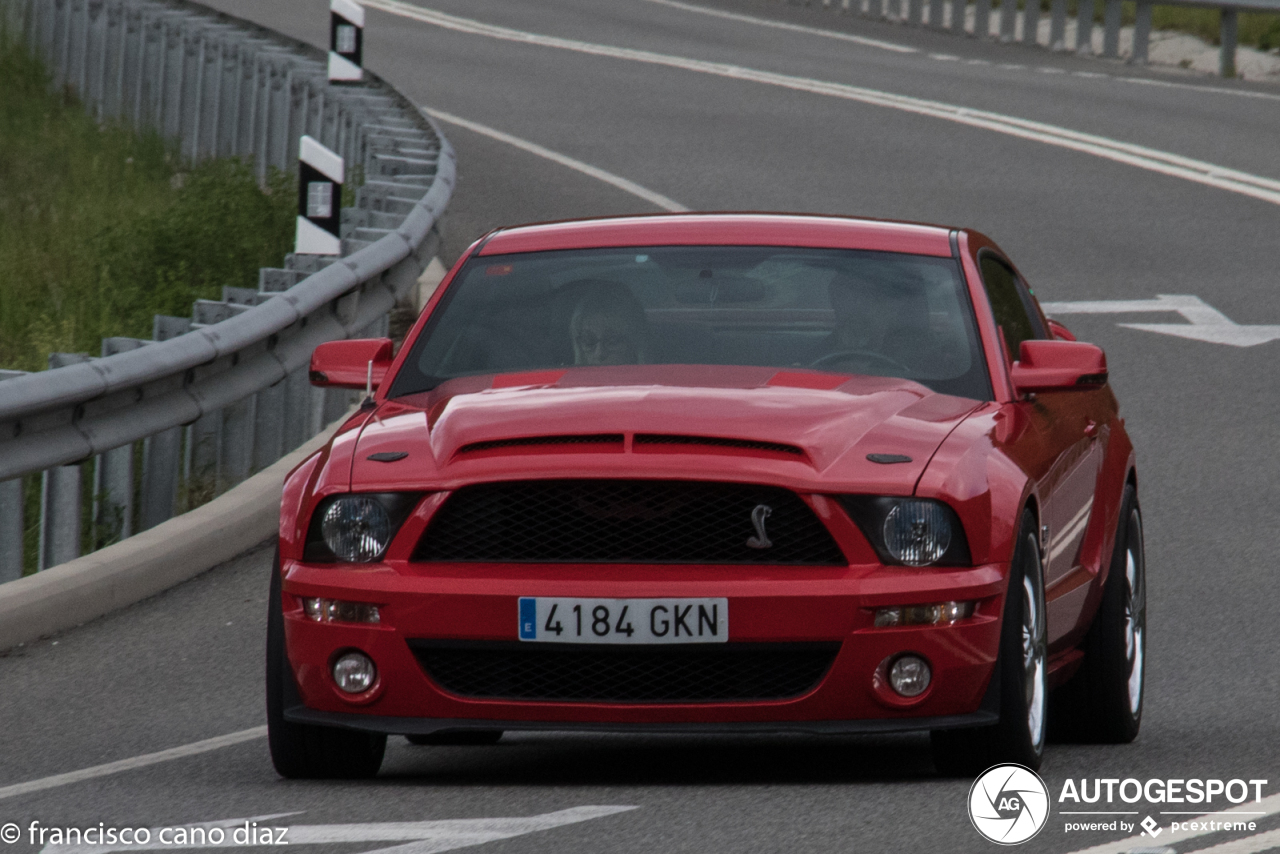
{"x":1008,"y":804}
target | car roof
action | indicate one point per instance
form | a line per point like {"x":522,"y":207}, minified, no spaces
{"x":724,"y":229}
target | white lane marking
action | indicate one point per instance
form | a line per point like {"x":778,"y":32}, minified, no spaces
{"x":422,"y":837}
{"x":577,"y":165}
{"x":1247,"y":845}
{"x":944,"y":57}
{"x":782,"y":25}
{"x":1142,"y":157}
{"x":143,"y":761}
{"x":1267,"y":806}
{"x":1206,"y":322}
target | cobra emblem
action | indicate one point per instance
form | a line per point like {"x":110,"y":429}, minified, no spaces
{"x":761,"y":539}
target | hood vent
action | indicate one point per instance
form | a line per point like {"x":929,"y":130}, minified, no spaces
{"x":527,"y":441}
{"x":717,"y":442}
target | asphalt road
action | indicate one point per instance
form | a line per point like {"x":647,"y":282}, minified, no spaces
{"x":186,"y":665}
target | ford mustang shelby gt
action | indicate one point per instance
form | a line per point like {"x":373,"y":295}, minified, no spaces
{"x":714,"y":473}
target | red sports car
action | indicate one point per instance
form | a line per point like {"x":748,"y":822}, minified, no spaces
{"x":714,"y":473}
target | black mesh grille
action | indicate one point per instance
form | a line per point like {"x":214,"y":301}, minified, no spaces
{"x":625,"y":521}
{"x":717,"y":442}
{"x":524,"y":441}
{"x":699,"y":673}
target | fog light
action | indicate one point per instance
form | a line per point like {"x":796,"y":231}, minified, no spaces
{"x":335,"y":611}
{"x":354,"y":672}
{"x":942,"y":613}
{"x":910,"y":676}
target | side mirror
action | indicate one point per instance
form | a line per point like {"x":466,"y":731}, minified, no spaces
{"x":1058,"y":366}
{"x":351,"y":364}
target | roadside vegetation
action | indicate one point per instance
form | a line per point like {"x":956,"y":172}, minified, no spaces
{"x":103,"y":226}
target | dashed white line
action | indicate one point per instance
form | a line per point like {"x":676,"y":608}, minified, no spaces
{"x":564,"y":160}
{"x":782,"y":25}
{"x":1142,"y":157}
{"x":143,"y":761}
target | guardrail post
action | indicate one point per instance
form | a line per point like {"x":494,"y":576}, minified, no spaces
{"x":1084,"y":28}
{"x":1228,"y":34}
{"x":1058,"y":25}
{"x":59,"y":516}
{"x":268,"y":426}
{"x":1008,"y":19}
{"x":957,"y":15}
{"x":982,"y":19}
{"x":113,"y":476}
{"x":162,"y":455}
{"x":236,"y":457}
{"x":1141,"y":33}
{"x":113,"y":497}
{"x":915,"y":12}
{"x":1111,"y":29}
{"x":11,"y":525}
{"x":1031,"y":22}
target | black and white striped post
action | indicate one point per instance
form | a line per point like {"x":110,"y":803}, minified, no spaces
{"x":320,"y":177}
{"x":346,"y":41}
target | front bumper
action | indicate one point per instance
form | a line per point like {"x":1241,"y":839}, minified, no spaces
{"x":767,"y":605}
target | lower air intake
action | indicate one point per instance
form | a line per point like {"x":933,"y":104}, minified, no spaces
{"x":697,"y":673}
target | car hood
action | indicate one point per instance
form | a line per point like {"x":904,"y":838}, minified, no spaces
{"x":800,"y":428}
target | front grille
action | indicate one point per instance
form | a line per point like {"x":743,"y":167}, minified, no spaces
{"x":625,"y":521}
{"x":697,"y":673}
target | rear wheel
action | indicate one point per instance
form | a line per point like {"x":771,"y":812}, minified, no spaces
{"x":458,"y":737}
{"x":1023,"y":672}
{"x":1103,"y":702}
{"x":303,"y":751}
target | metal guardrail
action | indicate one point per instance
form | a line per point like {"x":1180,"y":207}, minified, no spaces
{"x":952,"y":16}
{"x":211,"y":398}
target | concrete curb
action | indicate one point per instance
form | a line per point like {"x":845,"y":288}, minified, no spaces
{"x":150,"y":562}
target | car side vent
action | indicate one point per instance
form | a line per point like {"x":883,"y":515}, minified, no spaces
{"x":527,"y":441}
{"x":717,"y":442}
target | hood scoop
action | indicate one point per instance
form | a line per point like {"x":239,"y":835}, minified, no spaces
{"x":659,"y":442}
{"x":588,"y":443}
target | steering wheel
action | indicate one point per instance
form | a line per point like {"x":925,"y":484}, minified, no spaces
{"x":842,"y":355}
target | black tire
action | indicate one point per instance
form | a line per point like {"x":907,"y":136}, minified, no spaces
{"x":304,"y":751}
{"x":1023,"y":671}
{"x":458,"y":737}
{"x":1102,"y":704}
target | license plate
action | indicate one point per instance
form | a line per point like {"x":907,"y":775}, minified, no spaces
{"x":624,"y":621}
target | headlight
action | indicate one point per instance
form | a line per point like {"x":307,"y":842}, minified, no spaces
{"x":917,"y":533}
{"x":356,"y":528}
{"x":910,"y":531}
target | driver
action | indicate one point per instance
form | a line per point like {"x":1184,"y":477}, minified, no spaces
{"x":877,"y":323}
{"x":608,"y":326}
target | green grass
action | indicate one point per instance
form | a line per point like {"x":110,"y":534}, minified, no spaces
{"x":102,"y":226}
{"x":1257,"y":29}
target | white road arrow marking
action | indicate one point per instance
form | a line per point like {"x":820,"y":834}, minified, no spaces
{"x":1206,"y":323}
{"x":418,"y":837}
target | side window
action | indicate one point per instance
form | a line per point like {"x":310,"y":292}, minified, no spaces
{"x":1008,"y":304}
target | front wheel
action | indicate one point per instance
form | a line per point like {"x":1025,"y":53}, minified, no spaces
{"x":1022,"y":668}
{"x":1102,"y":703}
{"x":305,"y":751}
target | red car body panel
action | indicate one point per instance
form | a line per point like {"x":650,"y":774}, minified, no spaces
{"x":990,"y":461}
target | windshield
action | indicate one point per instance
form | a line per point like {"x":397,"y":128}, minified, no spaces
{"x":837,"y":310}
